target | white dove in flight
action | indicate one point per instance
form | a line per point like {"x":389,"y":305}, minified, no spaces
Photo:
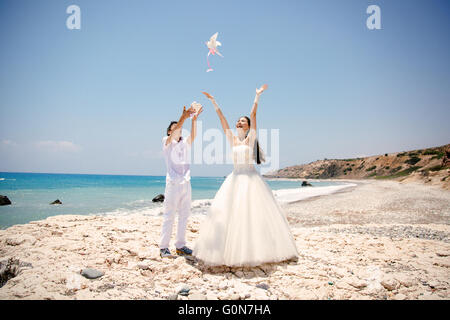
{"x":212,"y":45}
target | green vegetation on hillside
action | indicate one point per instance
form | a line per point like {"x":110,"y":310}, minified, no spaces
{"x":413,"y":160}
{"x":436,"y":168}
{"x":400,"y":173}
{"x":430,"y":152}
{"x":438,"y":156}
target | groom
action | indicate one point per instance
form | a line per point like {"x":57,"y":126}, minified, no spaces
{"x":177,"y":196}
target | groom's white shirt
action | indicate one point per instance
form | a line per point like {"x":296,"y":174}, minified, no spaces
{"x":177,"y":156}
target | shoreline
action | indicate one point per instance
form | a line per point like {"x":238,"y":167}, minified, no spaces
{"x":200,"y":206}
{"x":303,"y":193}
{"x":380,"y":240}
{"x":436,"y":179}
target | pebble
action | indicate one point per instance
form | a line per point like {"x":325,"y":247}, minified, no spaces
{"x":222,"y":296}
{"x":235,"y":296}
{"x":91,"y":273}
{"x":442,"y":254}
{"x":264,"y":286}
{"x":428,"y":297}
{"x":358,"y":284}
{"x":434,"y":285}
{"x":223,"y":285}
{"x":184,"y":290}
{"x":405,"y":281}
{"x":197,"y":296}
{"x":389,"y":284}
{"x":400,"y":296}
{"x":211,"y":296}
{"x":143,"y":265}
{"x":239,"y":274}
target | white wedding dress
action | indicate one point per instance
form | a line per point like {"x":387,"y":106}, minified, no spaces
{"x":245,"y":225}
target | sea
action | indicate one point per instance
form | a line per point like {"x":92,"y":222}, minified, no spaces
{"x":95,"y":194}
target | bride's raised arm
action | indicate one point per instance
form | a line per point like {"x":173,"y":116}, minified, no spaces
{"x":226,"y":128}
{"x":252,"y":132}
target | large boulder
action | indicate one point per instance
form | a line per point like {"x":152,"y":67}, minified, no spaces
{"x":306,"y":184}
{"x":4,"y":201}
{"x":158,"y":198}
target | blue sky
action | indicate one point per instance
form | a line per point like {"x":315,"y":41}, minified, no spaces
{"x":99,"y":99}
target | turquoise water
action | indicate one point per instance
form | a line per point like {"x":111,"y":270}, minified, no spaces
{"x":32,"y":193}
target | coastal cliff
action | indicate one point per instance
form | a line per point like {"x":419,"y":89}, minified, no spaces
{"x":431,"y":165}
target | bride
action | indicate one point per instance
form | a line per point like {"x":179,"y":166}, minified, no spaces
{"x":245,"y":225}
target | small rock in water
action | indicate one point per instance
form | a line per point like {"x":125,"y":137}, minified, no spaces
{"x":57,"y":201}
{"x":4,"y":201}
{"x":158,"y":198}
{"x":91,"y":273}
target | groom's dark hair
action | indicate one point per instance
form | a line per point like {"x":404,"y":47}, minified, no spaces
{"x":170,"y":126}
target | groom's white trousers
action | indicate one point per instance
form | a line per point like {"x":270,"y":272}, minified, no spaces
{"x":177,"y":198}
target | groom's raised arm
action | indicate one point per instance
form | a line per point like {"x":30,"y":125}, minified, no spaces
{"x":180,"y":122}
{"x":191,"y":138}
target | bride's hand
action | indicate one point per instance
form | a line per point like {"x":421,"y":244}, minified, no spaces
{"x":260,"y":90}
{"x":208,"y":95}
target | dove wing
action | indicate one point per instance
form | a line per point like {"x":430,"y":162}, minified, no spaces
{"x":214,"y":37}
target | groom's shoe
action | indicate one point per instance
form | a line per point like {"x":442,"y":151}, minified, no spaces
{"x":165,"y":253}
{"x":185,"y":251}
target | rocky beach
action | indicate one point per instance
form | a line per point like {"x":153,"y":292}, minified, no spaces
{"x":376,"y":240}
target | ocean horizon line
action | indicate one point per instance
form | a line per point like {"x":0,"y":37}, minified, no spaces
{"x":105,"y":174}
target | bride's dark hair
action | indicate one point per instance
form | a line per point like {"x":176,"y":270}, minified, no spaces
{"x":258,"y":150}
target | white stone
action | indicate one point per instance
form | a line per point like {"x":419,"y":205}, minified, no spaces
{"x":390,"y":284}
{"x":143,"y":265}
